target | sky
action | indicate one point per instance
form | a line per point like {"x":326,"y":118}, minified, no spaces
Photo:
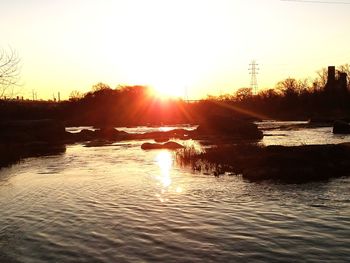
{"x":193,"y":47}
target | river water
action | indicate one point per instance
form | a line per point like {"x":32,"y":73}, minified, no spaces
{"x":119,"y":203}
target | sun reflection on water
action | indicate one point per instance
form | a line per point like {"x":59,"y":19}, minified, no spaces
{"x":164,"y":160}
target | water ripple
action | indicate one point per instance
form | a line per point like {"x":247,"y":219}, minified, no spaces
{"x":111,"y":204}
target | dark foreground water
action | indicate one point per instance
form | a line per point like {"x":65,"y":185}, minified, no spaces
{"x":121,"y":204}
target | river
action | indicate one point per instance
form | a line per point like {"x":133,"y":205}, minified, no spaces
{"x":118,"y":203}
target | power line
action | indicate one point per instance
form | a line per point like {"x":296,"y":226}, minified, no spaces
{"x":254,"y":71}
{"x":318,"y":2}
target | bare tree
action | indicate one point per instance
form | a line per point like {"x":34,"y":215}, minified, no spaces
{"x":100,"y":86}
{"x":243,"y":94}
{"x":267,"y":93}
{"x":322,"y":75}
{"x":287,"y":87}
{"x":291,"y":86}
{"x":75,"y":95}
{"x":9,"y":72}
{"x":345,"y":68}
{"x":321,"y":79}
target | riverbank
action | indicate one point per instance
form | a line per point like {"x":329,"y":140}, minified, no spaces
{"x":290,"y":164}
{"x":231,"y":146}
{"x":25,"y":138}
{"x":12,"y":153}
{"x":22,"y":139}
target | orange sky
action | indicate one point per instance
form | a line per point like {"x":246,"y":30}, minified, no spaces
{"x":204,"y":46}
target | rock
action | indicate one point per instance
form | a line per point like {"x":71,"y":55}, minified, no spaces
{"x":164,"y":136}
{"x":341,"y":127}
{"x":167,"y":145}
{"x":85,"y":135}
{"x":172,"y":145}
{"x":106,"y":134}
{"x":109,"y":133}
{"x":227,"y":126}
{"x":161,"y":139}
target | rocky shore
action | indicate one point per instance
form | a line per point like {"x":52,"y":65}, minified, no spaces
{"x":290,"y":164}
{"x":233,"y":148}
{"x":25,"y":138}
{"x":21,"y":139}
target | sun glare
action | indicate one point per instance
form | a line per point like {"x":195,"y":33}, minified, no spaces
{"x":165,"y":91}
{"x":166,"y":82}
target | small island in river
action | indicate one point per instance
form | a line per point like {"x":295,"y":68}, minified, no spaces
{"x":231,"y":147}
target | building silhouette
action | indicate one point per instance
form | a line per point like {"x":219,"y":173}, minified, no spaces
{"x":337,"y":82}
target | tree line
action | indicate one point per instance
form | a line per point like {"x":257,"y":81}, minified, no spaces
{"x":135,"y":105}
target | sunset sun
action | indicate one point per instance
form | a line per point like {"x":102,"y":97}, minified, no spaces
{"x":165,"y":88}
{"x":167,"y":91}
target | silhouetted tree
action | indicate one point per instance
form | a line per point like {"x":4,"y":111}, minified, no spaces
{"x":287,"y":87}
{"x":226,"y":97}
{"x":292,"y":87}
{"x":321,"y":79}
{"x":9,"y":72}
{"x":267,"y":94}
{"x":243,"y":94}
{"x":100,"y":86}
{"x":345,"y":68}
{"x":210,"y":97}
{"x":322,"y":75}
{"x":75,"y":95}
